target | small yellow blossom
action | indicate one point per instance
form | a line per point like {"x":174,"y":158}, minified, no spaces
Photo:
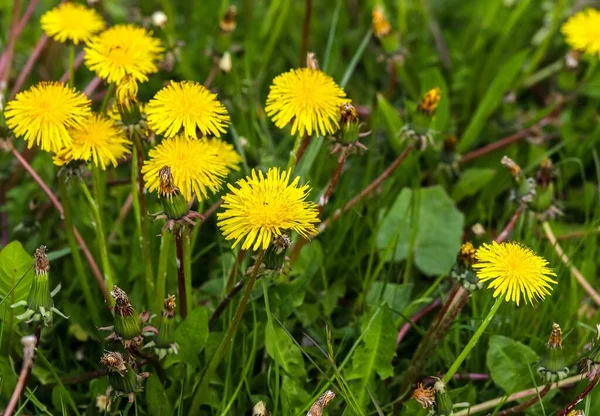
{"x":44,"y":113}
{"x":430,"y":101}
{"x":72,"y":22}
{"x":582,"y":31}
{"x":381,"y":25}
{"x":124,"y":50}
{"x":181,"y":107}
{"x":98,"y":141}
{"x":514,"y":270}
{"x":309,"y":97}
{"x":261,"y":208}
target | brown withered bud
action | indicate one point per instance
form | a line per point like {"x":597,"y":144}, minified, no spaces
{"x":555,"y":339}
{"x":114,"y":362}
{"x":450,"y":144}
{"x":122,"y":305}
{"x":170,"y":305}
{"x":425,"y":396}
{"x":512,"y":166}
{"x":545,"y":173}
{"x":41,"y":265}
{"x":166,"y":187}
{"x":317,"y":408}
{"x":227,"y":23}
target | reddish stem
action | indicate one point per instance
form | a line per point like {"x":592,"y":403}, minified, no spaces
{"x":499,"y":144}
{"x":423,"y":312}
{"x":511,"y":224}
{"x":94,"y":83}
{"x":305,"y":33}
{"x":88,"y":255}
{"x":302,"y":148}
{"x":524,"y":406}
{"x":588,"y":389}
{"x":37,"y":50}
{"x":334,"y":180}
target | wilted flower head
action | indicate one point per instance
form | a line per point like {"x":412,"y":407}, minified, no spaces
{"x":430,"y":101}
{"x":114,"y":362}
{"x":183,"y":107}
{"x":309,"y":97}
{"x":260,"y":208}
{"x":317,"y":408}
{"x":124,"y":50}
{"x":381,"y":25}
{"x":425,"y":396}
{"x":72,"y":22}
{"x":582,"y":33}
{"x":514,"y":271}
{"x":227,"y":23}
{"x":44,"y":113}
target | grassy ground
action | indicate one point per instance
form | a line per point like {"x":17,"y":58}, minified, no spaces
{"x":333,"y":320}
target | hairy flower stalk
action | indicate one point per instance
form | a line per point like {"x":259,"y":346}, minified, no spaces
{"x":39,"y":303}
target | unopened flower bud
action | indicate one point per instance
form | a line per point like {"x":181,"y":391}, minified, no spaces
{"x":127,"y":102}
{"x":121,"y":376}
{"x":349,"y":124}
{"x":227,"y":23}
{"x":166,"y":325}
{"x":463,"y":269}
{"x":274,"y":257}
{"x":173,"y":202}
{"x":127,"y":321}
{"x":159,"y":18}
{"x":512,"y":166}
{"x":442,"y":399}
{"x":553,"y":367}
{"x":425,"y":111}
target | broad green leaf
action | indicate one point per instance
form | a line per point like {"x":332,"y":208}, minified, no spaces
{"x":437,"y":225}
{"x":509,"y":362}
{"x":191,"y":335}
{"x":393,"y":122}
{"x":374,"y":355}
{"x":471,"y":181}
{"x":492,"y":98}
{"x":396,"y":296}
{"x":157,"y":399}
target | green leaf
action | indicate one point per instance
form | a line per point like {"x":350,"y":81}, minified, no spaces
{"x":492,"y":99}
{"x":437,"y":225}
{"x":157,"y":399}
{"x":191,"y":336}
{"x":374,"y":355}
{"x":471,"y":181}
{"x":393,"y":122}
{"x":395,"y":295}
{"x":509,"y":363}
{"x":284,"y":352}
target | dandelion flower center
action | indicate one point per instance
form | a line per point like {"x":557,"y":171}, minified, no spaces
{"x":44,"y":113}
{"x":261,"y":208}
{"x":73,"y":22}
{"x":582,"y":31}
{"x":124,"y":50}
{"x":514,"y":270}
{"x":186,"y":106}
{"x":309,"y":97}
{"x":195,"y":165}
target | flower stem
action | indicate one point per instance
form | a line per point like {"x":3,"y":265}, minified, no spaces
{"x":71,"y":48}
{"x":181,"y":284}
{"x":305,"y":32}
{"x":108,"y":276}
{"x":187,"y":267}
{"x":68,"y":220}
{"x":139,"y":207}
{"x":229,"y":335}
{"x":161,"y":276}
{"x":588,"y":389}
{"x":297,"y":152}
{"x":465,"y":352}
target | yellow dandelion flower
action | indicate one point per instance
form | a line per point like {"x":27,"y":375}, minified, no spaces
{"x":183,"y":107}
{"x":72,"y":22}
{"x":261,"y":208}
{"x":195,"y":165}
{"x":514,"y":270}
{"x":229,"y":156}
{"x":123,"y":50}
{"x":310,"y":97}
{"x":381,"y":25}
{"x":430,"y":101}
{"x":43,"y":114}
{"x":98,"y":141}
{"x":582,"y":31}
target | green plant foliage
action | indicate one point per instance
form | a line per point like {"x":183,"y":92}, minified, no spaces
{"x":509,"y":362}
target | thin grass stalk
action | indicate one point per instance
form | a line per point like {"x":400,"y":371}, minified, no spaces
{"x":77,"y":261}
{"x":161,"y":275}
{"x":229,"y":335}
{"x":102,"y":245}
{"x":71,"y":68}
{"x":142,"y":222}
{"x":183,"y":308}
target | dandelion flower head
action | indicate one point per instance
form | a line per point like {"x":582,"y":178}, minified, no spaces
{"x":44,"y":113}
{"x":582,"y":31}
{"x":514,"y":270}
{"x":226,"y":153}
{"x":430,"y":101}
{"x":181,"y":107}
{"x":98,"y":141}
{"x":124,"y":50}
{"x":261,"y":207}
{"x":381,"y":25}
{"x":195,"y":165}
{"x":309,"y":97}
{"x":73,"y":22}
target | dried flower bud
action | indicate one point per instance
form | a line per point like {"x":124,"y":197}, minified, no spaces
{"x":103,"y":403}
{"x":227,"y":23}
{"x":121,"y":376}
{"x":274,"y":257}
{"x":349,"y":124}
{"x":425,"y":396}
{"x":512,"y":166}
{"x":260,"y":409}
{"x":41,"y":265}
{"x":312,"y":62}
{"x":317,"y":408}
{"x":127,"y":321}
{"x":173,"y":202}
{"x":380,"y":23}
{"x":166,"y":325}
{"x":552,"y":367}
